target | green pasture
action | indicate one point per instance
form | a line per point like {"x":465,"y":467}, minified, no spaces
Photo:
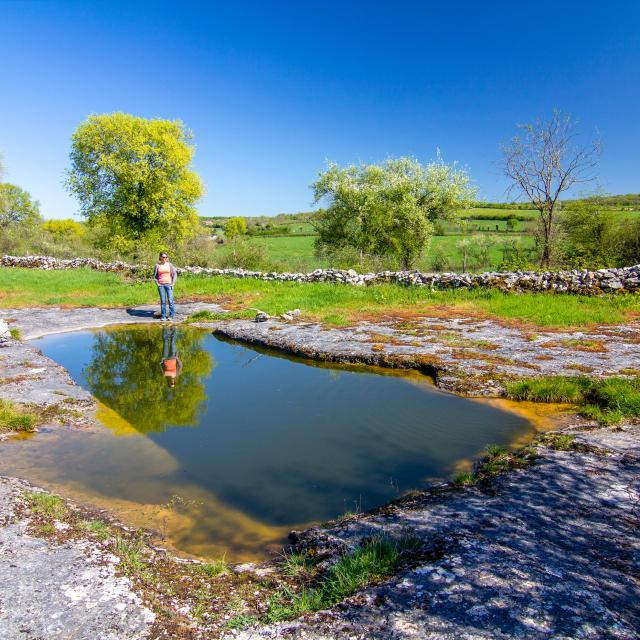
{"x":328,"y":303}
{"x":296,"y":253}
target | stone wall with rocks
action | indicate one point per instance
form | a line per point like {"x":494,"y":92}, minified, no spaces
{"x":585,"y":281}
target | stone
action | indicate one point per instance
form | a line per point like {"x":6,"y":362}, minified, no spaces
{"x":584,"y":282}
{"x":261,"y":316}
{"x":5,"y":334}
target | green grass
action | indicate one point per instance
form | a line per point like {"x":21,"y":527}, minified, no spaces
{"x":295,"y":563}
{"x":240,"y":621}
{"x":464,"y":479}
{"x":618,"y":394}
{"x":45,"y":504}
{"x":333,"y":304}
{"x":98,"y":528}
{"x":297,"y":253}
{"x":15,"y":418}
{"x":557,"y":441}
{"x":549,"y":389}
{"x":373,"y":560}
{"x":606,"y":401}
{"x":130,"y":553}
{"x":212,"y":569}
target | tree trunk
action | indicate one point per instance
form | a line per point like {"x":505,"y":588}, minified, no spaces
{"x":546,"y":218}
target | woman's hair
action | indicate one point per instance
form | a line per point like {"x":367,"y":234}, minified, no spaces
{"x":163,"y":254}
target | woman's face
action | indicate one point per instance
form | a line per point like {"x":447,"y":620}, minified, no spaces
{"x":163,"y":257}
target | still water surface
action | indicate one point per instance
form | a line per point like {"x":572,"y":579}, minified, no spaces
{"x":243,"y":445}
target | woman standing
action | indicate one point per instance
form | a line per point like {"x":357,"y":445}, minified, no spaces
{"x":165,"y":275}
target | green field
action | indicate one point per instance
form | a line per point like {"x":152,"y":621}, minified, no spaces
{"x":296,"y":253}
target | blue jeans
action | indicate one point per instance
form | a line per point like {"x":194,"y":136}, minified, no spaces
{"x":166,"y":294}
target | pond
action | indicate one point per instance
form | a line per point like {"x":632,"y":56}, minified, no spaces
{"x":223,"y":449}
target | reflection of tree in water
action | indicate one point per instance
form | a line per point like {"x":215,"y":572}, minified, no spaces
{"x":125,"y":374}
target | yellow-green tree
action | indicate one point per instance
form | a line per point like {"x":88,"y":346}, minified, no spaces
{"x":133,"y":177}
{"x":17,"y":207}
{"x":235,"y":227}
{"x":64,"y":230}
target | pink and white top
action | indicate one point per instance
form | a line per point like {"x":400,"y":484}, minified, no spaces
{"x":164,"y":273}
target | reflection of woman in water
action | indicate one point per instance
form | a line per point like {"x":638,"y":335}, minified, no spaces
{"x":171,"y":364}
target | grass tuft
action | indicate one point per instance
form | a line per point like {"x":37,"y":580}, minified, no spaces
{"x":45,"y":504}
{"x":212,"y":569}
{"x":240,"y":621}
{"x":549,"y":389}
{"x":557,"y":441}
{"x":464,"y":479}
{"x":209,"y":316}
{"x":606,"y":417}
{"x":375,"y":559}
{"x":98,"y":528}
{"x":130,"y":553}
{"x":607,"y":401}
{"x":295,"y":563}
{"x":15,"y":418}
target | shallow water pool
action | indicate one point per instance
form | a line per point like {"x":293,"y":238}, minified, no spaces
{"x":223,"y":449}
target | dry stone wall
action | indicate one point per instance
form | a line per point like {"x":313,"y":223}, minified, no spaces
{"x":585,"y":281}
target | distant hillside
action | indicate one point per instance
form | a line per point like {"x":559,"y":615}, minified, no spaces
{"x":626,"y":201}
{"x":630,"y":201}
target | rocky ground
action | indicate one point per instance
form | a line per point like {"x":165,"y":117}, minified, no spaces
{"x":465,"y":355}
{"x":64,"y":590}
{"x":549,"y":551}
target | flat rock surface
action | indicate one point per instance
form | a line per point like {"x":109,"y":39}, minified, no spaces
{"x":60,"y":591}
{"x":35,"y":322}
{"x":466,"y":355}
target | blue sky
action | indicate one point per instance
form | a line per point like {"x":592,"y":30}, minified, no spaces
{"x":271,"y":90}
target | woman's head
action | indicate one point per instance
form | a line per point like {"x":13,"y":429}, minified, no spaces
{"x":163,"y":256}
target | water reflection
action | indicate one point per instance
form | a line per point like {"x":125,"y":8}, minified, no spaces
{"x":150,"y":382}
{"x":275,"y":444}
{"x":171,"y":364}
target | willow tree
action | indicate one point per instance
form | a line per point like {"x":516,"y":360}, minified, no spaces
{"x":388,"y":209}
{"x":133,"y":177}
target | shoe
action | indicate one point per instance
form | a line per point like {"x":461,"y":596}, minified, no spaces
{"x":164,"y":319}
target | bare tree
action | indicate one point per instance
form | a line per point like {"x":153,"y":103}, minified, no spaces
{"x":544,"y":161}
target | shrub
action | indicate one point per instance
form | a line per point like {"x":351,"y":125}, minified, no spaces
{"x":243,"y":254}
{"x":352,"y":258}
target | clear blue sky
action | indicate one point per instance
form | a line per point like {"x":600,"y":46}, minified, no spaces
{"x":271,"y":90}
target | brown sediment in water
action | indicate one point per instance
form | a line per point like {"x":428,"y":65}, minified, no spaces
{"x":184,"y":523}
{"x":544,"y":416}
